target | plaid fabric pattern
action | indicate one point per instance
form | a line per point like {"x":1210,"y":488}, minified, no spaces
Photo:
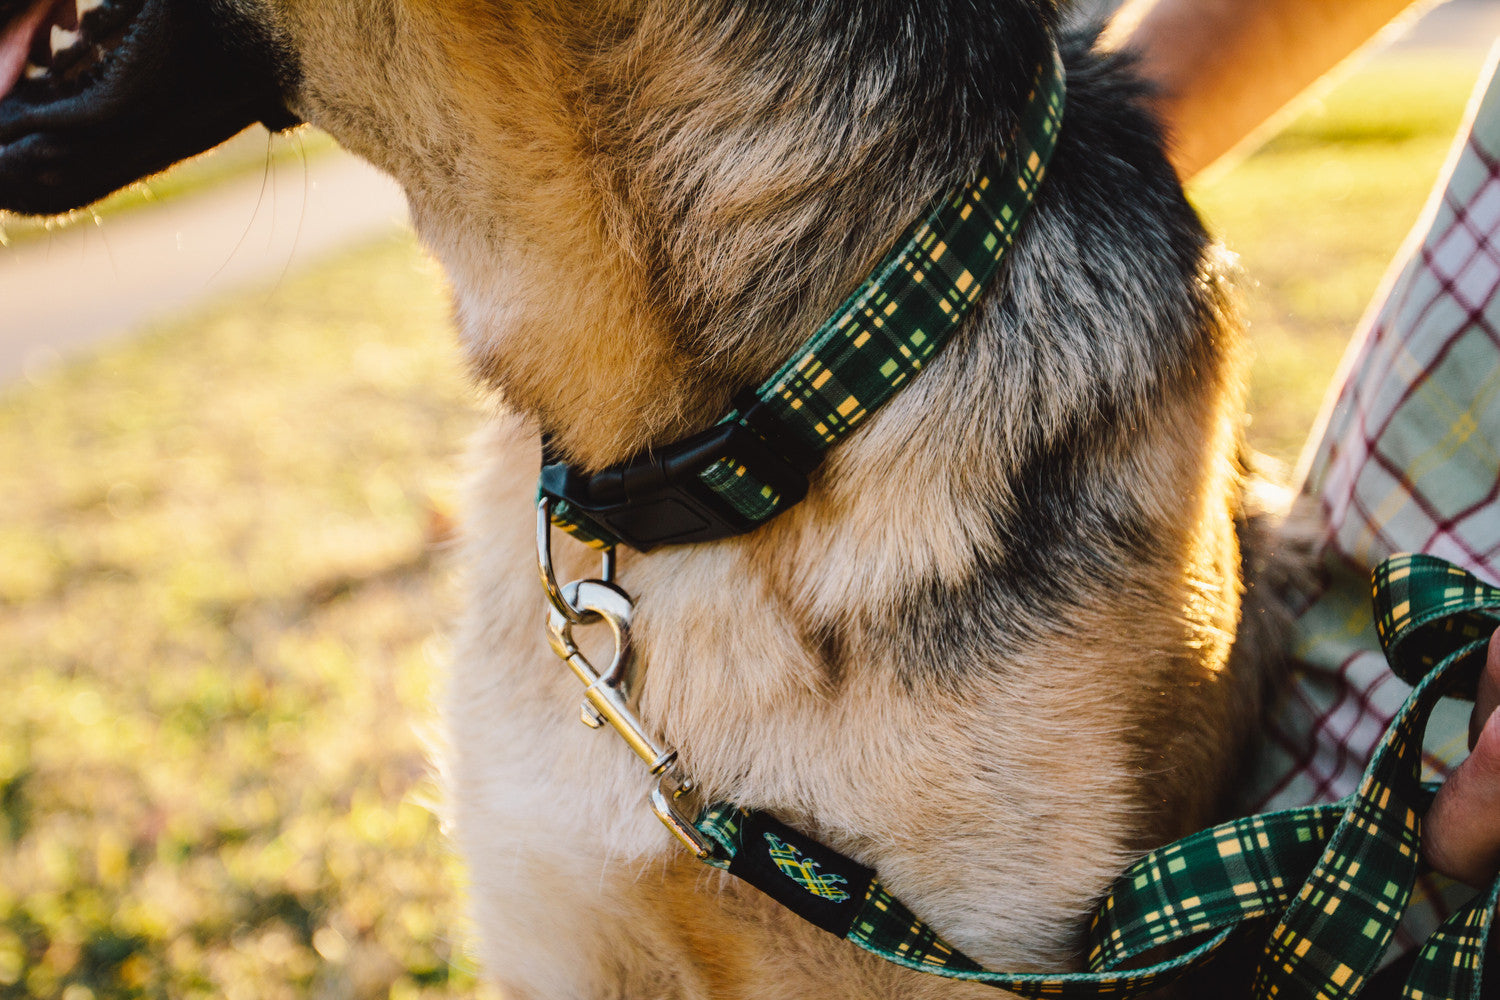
{"x":1456,"y":609}
{"x":890,"y":930}
{"x":1452,"y":960}
{"x":1335,"y":877}
{"x":905,"y":311}
{"x":721,"y":822}
{"x":579,"y":527}
{"x":1409,"y":460}
{"x":1239,"y":871}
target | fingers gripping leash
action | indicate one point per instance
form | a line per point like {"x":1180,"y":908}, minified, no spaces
{"x":606,"y":696}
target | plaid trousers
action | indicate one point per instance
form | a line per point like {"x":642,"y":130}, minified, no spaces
{"x":1408,"y":460}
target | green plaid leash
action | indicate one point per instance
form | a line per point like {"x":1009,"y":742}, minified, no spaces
{"x":1326,"y":884}
{"x":891,"y":326}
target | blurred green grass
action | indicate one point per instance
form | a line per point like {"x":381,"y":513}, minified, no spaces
{"x":1316,"y":217}
{"x":218,"y":610}
{"x":222,"y":590}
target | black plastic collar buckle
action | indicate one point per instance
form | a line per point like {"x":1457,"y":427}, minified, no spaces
{"x":658,"y":499}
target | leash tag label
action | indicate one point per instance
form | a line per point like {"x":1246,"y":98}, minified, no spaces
{"x":817,"y":883}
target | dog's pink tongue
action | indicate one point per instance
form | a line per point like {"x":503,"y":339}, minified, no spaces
{"x":15,"y":43}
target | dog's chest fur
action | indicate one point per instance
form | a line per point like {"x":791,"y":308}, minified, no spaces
{"x":990,"y":654}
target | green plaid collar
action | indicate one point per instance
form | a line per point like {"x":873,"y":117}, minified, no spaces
{"x":753,"y":464}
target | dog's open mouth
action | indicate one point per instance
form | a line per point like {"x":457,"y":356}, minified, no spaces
{"x":95,"y":94}
{"x":56,"y":46}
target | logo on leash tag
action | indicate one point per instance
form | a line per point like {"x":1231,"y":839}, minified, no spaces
{"x":805,"y":871}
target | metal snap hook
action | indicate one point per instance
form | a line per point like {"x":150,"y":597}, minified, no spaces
{"x":592,"y":602}
{"x":607,"y":701}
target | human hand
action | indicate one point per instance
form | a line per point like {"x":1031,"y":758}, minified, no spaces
{"x":1461,"y":834}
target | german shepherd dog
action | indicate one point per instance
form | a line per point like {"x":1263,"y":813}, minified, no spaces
{"x":992,"y":655}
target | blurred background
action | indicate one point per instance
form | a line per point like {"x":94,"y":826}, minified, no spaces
{"x":230,"y":409}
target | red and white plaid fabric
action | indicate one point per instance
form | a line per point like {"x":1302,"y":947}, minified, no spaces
{"x":1408,"y":461}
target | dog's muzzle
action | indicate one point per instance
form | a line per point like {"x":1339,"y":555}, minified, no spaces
{"x":96,"y":94}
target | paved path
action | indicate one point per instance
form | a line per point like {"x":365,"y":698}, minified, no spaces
{"x":67,"y":290}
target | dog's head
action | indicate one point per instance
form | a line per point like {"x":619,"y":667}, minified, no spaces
{"x":95,"y":94}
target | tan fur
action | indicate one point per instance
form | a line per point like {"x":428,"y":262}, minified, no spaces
{"x":1000,"y":808}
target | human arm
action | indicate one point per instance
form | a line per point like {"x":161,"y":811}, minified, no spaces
{"x":1226,"y":67}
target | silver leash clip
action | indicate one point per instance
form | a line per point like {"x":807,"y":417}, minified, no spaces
{"x":606,"y":699}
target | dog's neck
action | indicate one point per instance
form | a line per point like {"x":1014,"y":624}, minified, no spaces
{"x":685,"y":194}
